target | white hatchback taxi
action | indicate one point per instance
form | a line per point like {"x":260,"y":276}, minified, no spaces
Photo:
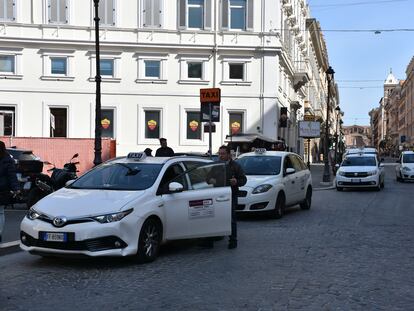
{"x":405,"y":168}
{"x":129,"y":206}
{"x":275,"y":180}
{"x":360,"y":170}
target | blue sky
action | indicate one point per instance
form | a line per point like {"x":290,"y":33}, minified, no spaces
{"x":365,"y":55}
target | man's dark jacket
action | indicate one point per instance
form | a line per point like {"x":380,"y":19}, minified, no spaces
{"x":234,"y":170}
{"x":8,"y":179}
{"x":164,"y":152}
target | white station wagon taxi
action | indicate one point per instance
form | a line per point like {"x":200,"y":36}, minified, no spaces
{"x":129,"y":206}
{"x":360,"y":170}
{"x":275,"y":180}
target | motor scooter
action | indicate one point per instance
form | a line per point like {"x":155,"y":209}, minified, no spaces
{"x":58,"y":179}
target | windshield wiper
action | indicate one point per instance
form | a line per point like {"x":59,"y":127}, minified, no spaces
{"x":131,"y":171}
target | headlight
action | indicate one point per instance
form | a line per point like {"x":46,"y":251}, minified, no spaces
{"x":372,"y":173}
{"x":341,"y":173}
{"x":406,"y":169}
{"x":262,"y":188}
{"x":32,"y":214}
{"x":105,"y":219}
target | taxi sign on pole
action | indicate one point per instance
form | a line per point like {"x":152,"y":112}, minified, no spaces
{"x":211,"y":95}
{"x":308,"y":117}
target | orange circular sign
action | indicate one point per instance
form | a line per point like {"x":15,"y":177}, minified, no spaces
{"x":152,"y":124}
{"x":105,"y":123}
{"x":235,"y":127}
{"x":194,"y":125}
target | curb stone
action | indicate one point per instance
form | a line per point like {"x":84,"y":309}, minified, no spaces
{"x":9,"y":247}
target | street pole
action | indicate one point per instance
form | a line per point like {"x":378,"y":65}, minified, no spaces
{"x":98,"y":132}
{"x":326,"y":172}
{"x":309,"y":151}
{"x":210,"y":134}
{"x":336,"y":134}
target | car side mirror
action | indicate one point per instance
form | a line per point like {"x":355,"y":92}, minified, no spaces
{"x":290,"y":171}
{"x":381,"y":165}
{"x":69,"y":182}
{"x":337,"y":165}
{"x":175,"y":187}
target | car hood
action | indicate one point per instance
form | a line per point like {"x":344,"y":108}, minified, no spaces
{"x":356,"y":169}
{"x":256,"y":180}
{"x":409,"y":165}
{"x":83,"y":202}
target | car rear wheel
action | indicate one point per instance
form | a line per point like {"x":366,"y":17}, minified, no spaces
{"x":339,"y":188}
{"x":149,"y":241}
{"x":279,"y":206}
{"x":306,"y":204}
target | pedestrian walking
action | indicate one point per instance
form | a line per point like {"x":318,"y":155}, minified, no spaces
{"x":148,"y":152}
{"x":235,"y":178}
{"x":164,"y":150}
{"x":8,"y":182}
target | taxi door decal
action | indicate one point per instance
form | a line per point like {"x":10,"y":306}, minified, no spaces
{"x":203,"y":208}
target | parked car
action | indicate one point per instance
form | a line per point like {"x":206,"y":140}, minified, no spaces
{"x":360,"y":170}
{"x":405,"y":168}
{"x":275,"y":181}
{"x":129,"y":206}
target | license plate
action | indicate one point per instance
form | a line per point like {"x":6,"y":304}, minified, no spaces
{"x":356,"y":180}
{"x":55,"y":237}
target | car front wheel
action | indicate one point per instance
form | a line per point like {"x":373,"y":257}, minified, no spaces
{"x":149,"y":241}
{"x":279,"y":206}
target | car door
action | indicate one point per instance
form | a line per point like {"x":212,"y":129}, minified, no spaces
{"x":200,"y":209}
{"x":303,"y":177}
{"x":299,"y":178}
{"x":289,"y":181}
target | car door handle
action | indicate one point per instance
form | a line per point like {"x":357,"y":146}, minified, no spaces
{"x":222,"y":199}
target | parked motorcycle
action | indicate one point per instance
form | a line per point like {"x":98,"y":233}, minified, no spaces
{"x":45,"y":185}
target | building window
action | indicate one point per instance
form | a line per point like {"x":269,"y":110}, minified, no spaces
{"x":195,"y":70}
{"x":58,"y":65}
{"x":193,"y":125}
{"x":58,"y":11}
{"x":235,"y":123}
{"x":151,"y":13}
{"x":108,"y":123}
{"x":7,"y":10}
{"x":152,"y":124}
{"x":107,"y":67}
{"x":237,"y":15}
{"x":194,"y":14}
{"x":107,"y":12}
{"x":152,"y":69}
{"x":58,"y":122}
{"x":7,"y":64}
{"x":7,"y":121}
{"x":236,"y":71}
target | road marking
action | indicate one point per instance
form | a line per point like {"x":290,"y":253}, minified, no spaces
{"x":9,"y":244}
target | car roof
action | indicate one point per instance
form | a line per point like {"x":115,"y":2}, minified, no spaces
{"x":407,"y":152}
{"x":356,"y":155}
{"x":157,"y":160}
{"x":266,"y":153}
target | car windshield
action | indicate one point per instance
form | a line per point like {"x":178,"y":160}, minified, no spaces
{"x":408,"y":158}
{"x":260,"y":165}
{"x":119,"y":176}
{"x":359,"y":161}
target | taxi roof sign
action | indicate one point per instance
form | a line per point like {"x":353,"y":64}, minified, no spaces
{"x":211,"y":95}
{"x":137,"y":156}
{"x":260,"y":150}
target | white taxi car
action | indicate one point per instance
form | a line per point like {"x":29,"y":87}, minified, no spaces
{"x":129,"y":206}
{"x":360,"y":170}
{"x":275,"y":180}
{"x":405,"y":168}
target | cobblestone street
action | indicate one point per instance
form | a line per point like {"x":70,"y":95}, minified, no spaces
{"x":351,"y":251}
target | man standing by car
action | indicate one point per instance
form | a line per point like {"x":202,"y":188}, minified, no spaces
{"x":236,"y":179}
{"x":8,"y":181}
{"x":164,"y":150}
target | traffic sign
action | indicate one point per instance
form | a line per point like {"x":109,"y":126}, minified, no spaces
{"x":211,"y":95}
{"x":308,"y":117}
{"x":207,"y":128}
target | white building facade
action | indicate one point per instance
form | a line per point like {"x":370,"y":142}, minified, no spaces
{"x":155,"y":57}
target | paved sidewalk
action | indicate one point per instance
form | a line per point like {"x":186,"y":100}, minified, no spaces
{"x":317,"y":177}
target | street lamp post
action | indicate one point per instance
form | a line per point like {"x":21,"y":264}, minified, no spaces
{"x":338,"y":112}
{"x":98,"y":133}
{"x":326,"y":174}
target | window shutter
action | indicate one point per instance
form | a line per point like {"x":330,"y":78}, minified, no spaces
{"x":225,"y":14}
{"x":49,"y":10}
{"x":157,"y":13}
{"x":182,"y":9}
{"x":101,"y":12}
{"x":62,"y":11}
{"x":147,"y":13}
{"x":9,"y":14}
{"x":111,"y":12}
{"x":249,"y":22}
{"x":207,"y":14}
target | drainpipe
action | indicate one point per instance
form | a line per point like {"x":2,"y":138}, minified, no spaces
{"x":262,"y":65}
